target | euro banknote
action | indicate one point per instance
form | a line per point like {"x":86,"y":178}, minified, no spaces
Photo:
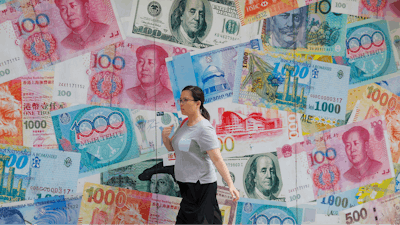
{"x":378,"y":101}
{"x":120,"y":75}
{"x":28,"y":173}
{"x":245,"y":130}
{"x":248,"y":176}
{"x":213,"y":22}
{"x":26,"y":104}
{"x":316,"y":30}
{"x":252,"y":211}
{"x":381,"y":211}
{"x":110,"y":137}
{"x":387,"y":10}
{"x":252,"y":11}
{"x":336,"y":160}
{"x":266,"y":81}
{"x":63,"y":209}
{"x":372,"y":60}
{"x":47,"y":35}
{"x":125,"y":206}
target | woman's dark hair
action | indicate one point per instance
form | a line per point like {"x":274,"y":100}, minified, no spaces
{"x":198,"y":95}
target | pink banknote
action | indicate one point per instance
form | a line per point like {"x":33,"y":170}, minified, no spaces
{"x":336,"y":160}
{"x":51,"y":31}
{"x":128,"y":74}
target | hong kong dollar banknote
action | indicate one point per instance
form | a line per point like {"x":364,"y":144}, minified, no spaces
{"x":48,"y":32}
{"x":110,"y":137}
{"x":62,"y":209}
{"x":129,"y":74}
{"x":336,"y":160}
{"x":28,"y":173}
{"x":25,"y":106}
{"x":194,"y":23}
{"x":316,"y":30}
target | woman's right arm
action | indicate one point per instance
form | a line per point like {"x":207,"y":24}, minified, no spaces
{"x":165,"y":136}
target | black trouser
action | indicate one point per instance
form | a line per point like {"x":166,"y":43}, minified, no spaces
{"x":199,"y":204}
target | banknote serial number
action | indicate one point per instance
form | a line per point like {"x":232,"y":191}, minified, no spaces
{"x":8,"y":61}
{"x":71,"y":85}
{"x":326,"y":98}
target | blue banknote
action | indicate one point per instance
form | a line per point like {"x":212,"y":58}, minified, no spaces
{"x":391,"y":84}
{"x":328,"y":100}
{"x":53,"y":210}
{"x":254,"y":211}
{"x":333,"y":204}
{"x":32,"y":173}
{"x":109,"y":137}
{"x":369,"y":52}
{"x":212,"y":69}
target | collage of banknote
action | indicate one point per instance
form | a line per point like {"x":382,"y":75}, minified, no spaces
{"x":303,"y":95}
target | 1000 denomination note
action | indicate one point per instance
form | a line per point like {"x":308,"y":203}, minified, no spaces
{"x":379,"y":101}
{"x":195,"y":23}
{"x":316,"y":30}
{"x":336,"y":160}
{"x":29,"y":173}
{"x":48,"y":32}
{"x":236,"y":128}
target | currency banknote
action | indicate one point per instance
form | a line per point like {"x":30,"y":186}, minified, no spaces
{"x":254,"y":211}
{"x":25,"y":105}
{"x":125,"y":206}
{"x":248,"y":176}
{"x":212,"y":69}
{"x":370,"y":60}
{"x":252,"y":11}
{"x":394,"y":28}
{"x":129,"y":74}
{"x":391,"y":84}
{"x":63,"y":209}
{"x":329,"y":162}
{"x":335,"y":203}
{"x":266,"y":82}
{"x":195,"y":23}
{"x":110,"y":137}
{"x":48,"y":32}
{"x":29,"y":173}
{"x":387,"y":10}
{"x":245,"y":130}
{"x":316,"y":30}
{"x":381,"y":211}
{"x":378,"y":101}
{"x":313,"y":124}
{"x":148,"y":176}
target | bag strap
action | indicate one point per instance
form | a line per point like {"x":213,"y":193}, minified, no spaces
{"x":186,"y":119}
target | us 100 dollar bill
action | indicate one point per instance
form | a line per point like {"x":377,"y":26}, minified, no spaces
{"x":195,"y":23}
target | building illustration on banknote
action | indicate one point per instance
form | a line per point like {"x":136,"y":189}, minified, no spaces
{"x":9,"y":193}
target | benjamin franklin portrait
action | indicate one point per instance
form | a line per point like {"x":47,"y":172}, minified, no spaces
{"x":190,"y":21}
{"x":262,"y":177}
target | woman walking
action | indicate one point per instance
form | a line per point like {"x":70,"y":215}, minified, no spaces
{"x":197,"y":147}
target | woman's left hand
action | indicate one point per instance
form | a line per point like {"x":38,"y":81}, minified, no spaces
{"x":234,"y":193}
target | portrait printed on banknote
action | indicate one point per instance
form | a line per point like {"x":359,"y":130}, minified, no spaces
{"x":190,"y":21}
{"x":262,"y":177}
{"x":287,"y":30}
{"x":149,"y":176}
{"x":150,"y":69}
{"x":84,"y":30}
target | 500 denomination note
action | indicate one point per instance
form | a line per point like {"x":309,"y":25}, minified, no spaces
{"x":194,"y":23}
{"x":336,"y":160}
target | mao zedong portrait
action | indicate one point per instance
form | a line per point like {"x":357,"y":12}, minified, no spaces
{"x":11,"y":216}
{"x":262,"y":181}
{"x":75,"y":14}
{"x":356,"y":142}
{"x":188,"y":22}
{"x":150,"y":66}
